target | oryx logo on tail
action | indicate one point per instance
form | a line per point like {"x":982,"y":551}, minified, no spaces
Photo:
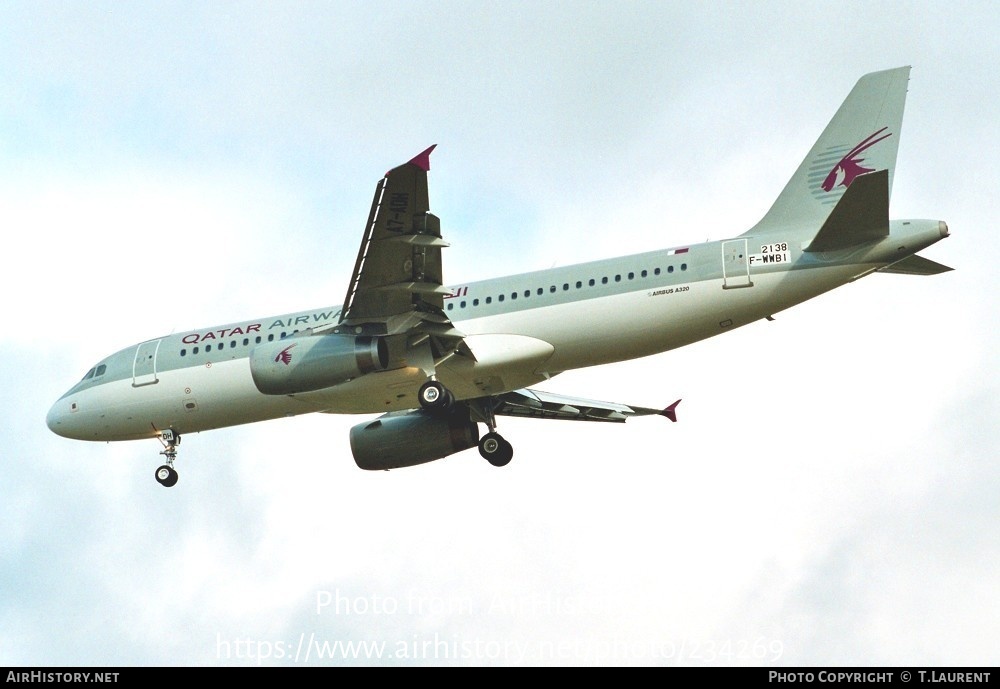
{"x":285,"y":356}
{"x":849,"y":167}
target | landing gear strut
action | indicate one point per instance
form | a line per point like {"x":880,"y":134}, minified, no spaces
{"x":433,"y":396}
{"x":166,"y":475}
{"x":492,"y":446}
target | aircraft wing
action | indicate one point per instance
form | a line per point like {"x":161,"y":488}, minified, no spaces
{"x":397,"y":286}
{"x":546,"y":405}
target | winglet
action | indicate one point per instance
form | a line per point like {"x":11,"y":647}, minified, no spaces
{"x":423,"y":160}
{"x":669,"y":411}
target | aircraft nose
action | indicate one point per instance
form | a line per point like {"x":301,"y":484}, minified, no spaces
{"x":58,"y":418}
{"x":52,"y":418}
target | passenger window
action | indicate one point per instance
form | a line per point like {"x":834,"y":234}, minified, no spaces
{"x":256,"y":341}
{"x":184,"y":352}
{"x":604,"y":280}
{"x":591,"y":282}
{"x":208,"y":348}
{"x":462,"y":305}
{"x":684,"y":266}
{"x":643,"y":273}
{"x":656,"y":271}
{"x":475,"y":302}
{"x":552,"y":288}
{"x":500,"y":298}
{"x":450,"y":306}
{"x":540,"y":291}
{"x":527,"y":293}
{"x":270,"y":337}
{"x":618,"y":278}
{"x":246,"y":341}
{"x":194,"y":351}
{"x":489,"y":300}
{"x":631,"y":276}
{"x":670,"y":269}
{"x":513,"y":295}
{"x":579,"y":284}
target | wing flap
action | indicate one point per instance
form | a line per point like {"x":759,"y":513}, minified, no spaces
{"x":547,"y":405}
{"x":413,"y":287}
{"x":445,"y":330}
{"x":419,"y":240}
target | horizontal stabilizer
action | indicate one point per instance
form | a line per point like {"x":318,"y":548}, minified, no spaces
{"x":916,"y":265}
{"x":861,"y":215}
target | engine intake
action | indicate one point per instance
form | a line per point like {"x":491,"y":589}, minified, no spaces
{"x":304,"y":364}
{"x":405,"y":439}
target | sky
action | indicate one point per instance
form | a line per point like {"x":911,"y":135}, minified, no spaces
{"x":169,"y":166}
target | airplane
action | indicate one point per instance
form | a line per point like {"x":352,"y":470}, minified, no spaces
{"x":436,"y":361}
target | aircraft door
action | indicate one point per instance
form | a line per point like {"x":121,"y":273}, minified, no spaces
{"x":144,"y":366}
{"x":735,"y":264}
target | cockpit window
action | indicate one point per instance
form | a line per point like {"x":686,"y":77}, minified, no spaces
{"x":100,"y":370}
{"x":90,"y":374}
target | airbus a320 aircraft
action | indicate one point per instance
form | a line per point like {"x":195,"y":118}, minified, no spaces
{"x":438,"y":361}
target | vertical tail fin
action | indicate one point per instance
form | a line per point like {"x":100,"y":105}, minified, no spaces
{"x":862,"y":137}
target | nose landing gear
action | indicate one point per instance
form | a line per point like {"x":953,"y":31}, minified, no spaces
{"x":166,"y":475}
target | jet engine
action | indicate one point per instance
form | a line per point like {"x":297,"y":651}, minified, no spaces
{"x":404,"y":439}
{"x":304,"y":364}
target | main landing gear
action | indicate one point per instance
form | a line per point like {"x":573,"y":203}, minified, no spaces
{"x":166,"y":475}
{"x":495,"y":449}
{"x":432,"y":395}
{"x":492,"y":446}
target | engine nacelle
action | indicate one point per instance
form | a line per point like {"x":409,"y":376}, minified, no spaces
{"x":405,"y":439}
{"x":304,"y":364}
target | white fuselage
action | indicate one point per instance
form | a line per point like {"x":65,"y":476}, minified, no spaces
{"x":562,"y":319}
